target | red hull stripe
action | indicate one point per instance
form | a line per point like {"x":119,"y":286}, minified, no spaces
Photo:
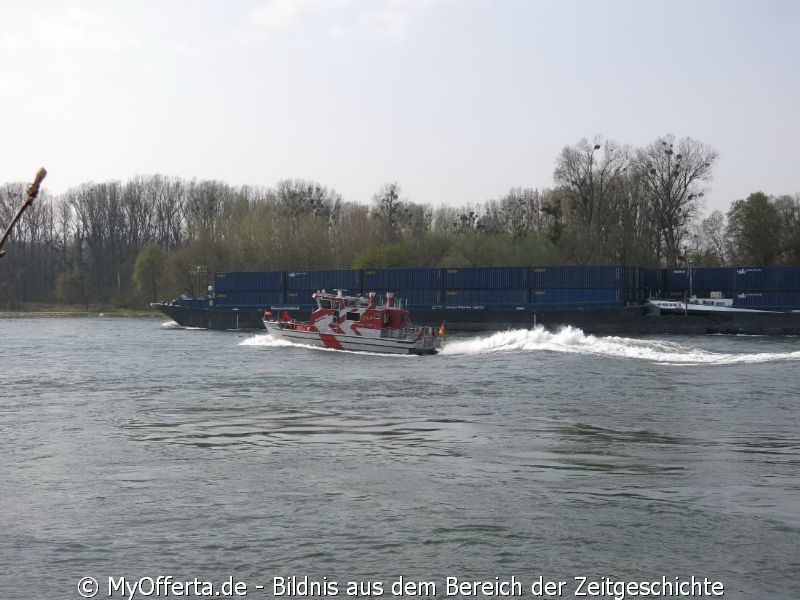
{"x":330,"y":341}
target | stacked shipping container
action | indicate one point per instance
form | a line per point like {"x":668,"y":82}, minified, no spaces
{"x":516,"y":287}
{"x":414,"y":286}
{"x":585,"y":286}
{"x":301,"y":285}
{"x":767,"y":287}
{"x":249,"y":288}
{"x":501,"y":287}
{"x":486,"y":286}
{"x":751,"y":287}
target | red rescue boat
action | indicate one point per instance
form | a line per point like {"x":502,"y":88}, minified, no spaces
{"x":358,"y":324}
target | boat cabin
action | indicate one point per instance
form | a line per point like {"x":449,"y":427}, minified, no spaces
{"x":338,"y":313}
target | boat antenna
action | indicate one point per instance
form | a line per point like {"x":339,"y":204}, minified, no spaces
{"x":32,"y":192}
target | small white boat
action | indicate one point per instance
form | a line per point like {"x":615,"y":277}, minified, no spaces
{"x":697,"y":306}
{"x":357,"y":324}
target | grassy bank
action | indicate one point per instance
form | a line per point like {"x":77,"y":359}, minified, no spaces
{"x":65,"y":310}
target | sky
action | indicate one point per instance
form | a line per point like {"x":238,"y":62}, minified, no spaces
{"x":456,"y":100}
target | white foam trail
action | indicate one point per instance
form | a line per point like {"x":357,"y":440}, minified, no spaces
{"x":573,"y":340}
{"x":174,"y":325}
{"x":265,"y":339}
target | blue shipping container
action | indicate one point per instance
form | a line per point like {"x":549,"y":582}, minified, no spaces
{"x":401,"y":279}
{"x":486,"y":278}
{"x":654,"y":279}
{"x":714,"y":278}
{"x":762,"y":278}
{"x":249,"y":281}
{"x":299,"y":297}
{"x":219,"y":282}
{"x":676,"y":279}
{"x":793,"y":279}
{"x":577,"y":277}
{"x":579,"y":297}
{"x":224,"y":282}
{"x":412,"y":296}
{"x":635,"y":296}
{"x":768,"y":299}
{"x":709,"y":278}
{"x":328,"y":280}
{"x":484,"y":297}
{"x":634,"y":277}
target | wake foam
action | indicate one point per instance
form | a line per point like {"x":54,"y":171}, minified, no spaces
{"x":265,"y":339}
{"x":175,"y":325}
{"x":573,"y":340}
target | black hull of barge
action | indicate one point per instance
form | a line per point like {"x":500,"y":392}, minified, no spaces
{"x":600,"y":321}
{"x":212,"y":318}
{"x":614,"y":321}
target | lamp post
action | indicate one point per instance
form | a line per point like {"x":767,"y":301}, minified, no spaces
{"x":694,"y":196}
{"x":686,"y":298}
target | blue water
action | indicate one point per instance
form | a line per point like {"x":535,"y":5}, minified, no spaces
{"x":134,"y":449}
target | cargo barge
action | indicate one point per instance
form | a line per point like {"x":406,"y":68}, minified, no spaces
{"x":631,"y":320}
{"x":608,"y":300}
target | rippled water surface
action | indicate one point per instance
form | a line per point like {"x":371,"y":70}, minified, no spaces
{"x":135,"y":448}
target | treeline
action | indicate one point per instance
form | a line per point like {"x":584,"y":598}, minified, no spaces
{"x":758,"y":230}
{"x":128,"y":243}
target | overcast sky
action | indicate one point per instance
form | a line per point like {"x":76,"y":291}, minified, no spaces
{"x":457,"y":101}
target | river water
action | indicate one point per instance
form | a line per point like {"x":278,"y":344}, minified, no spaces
{"x":135,"y":448}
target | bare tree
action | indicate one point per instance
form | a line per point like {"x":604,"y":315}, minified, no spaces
{"x":712,"y":228}
{"x":386,"y":210}
{"x":297,"y":198}
{"x":28,"y":269}
{"x":518,"y":213}
{"x":166,"y":195}
{"x":631,"y":235}
{"x":202,"y":206}
{"x":139,"y":214}
{"x":672,"y":177}
{"x":588,"y":174}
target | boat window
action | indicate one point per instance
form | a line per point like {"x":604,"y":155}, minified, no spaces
{"x":325,"y":303}
{"x":353,"y":316}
